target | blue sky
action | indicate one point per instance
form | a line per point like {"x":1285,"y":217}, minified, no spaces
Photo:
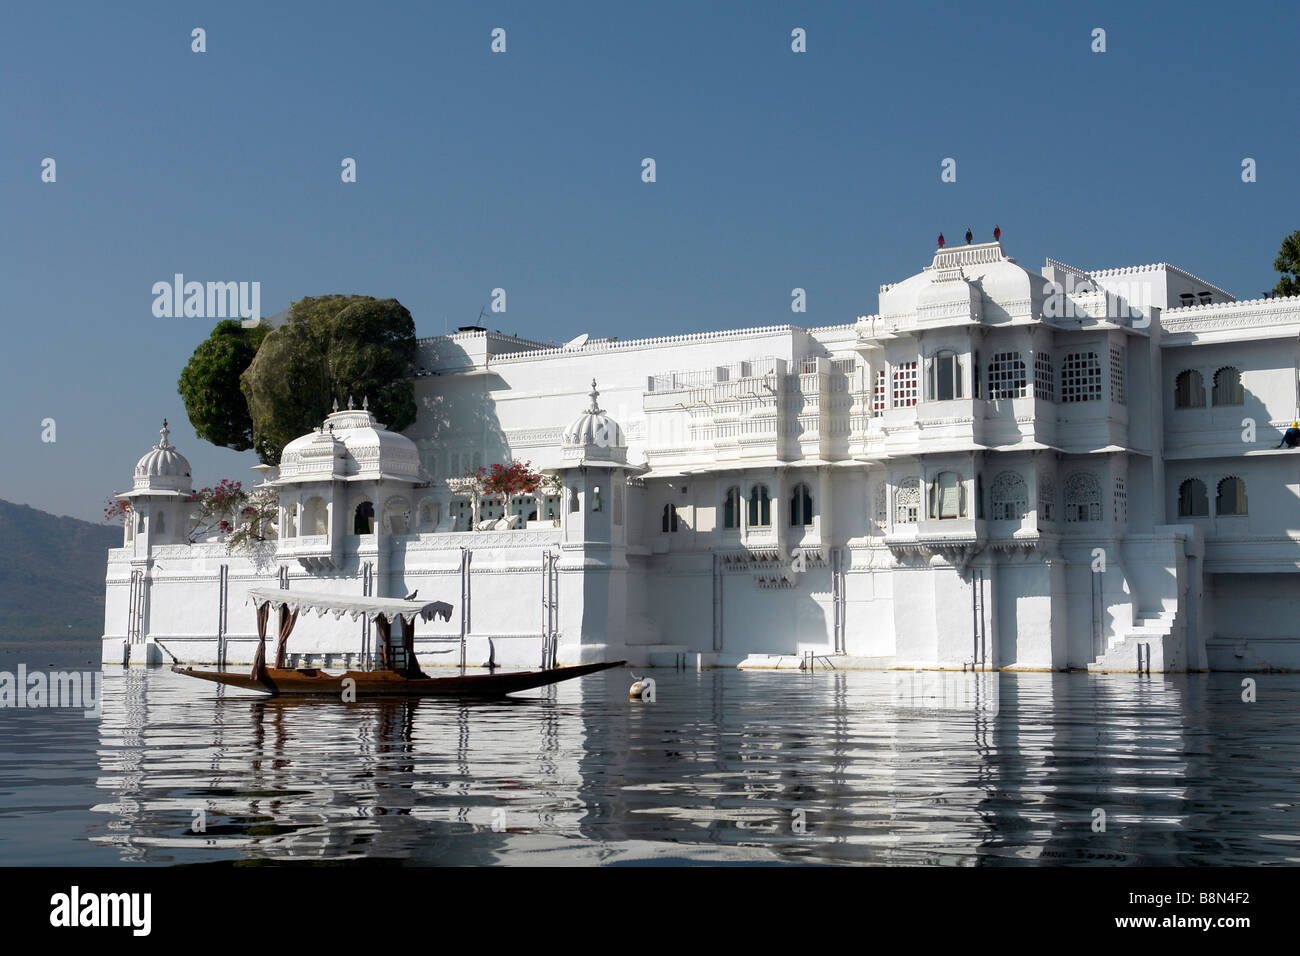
{"x":522,"y":171}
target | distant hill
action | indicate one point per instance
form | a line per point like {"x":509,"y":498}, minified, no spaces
{"x":52,"y":573}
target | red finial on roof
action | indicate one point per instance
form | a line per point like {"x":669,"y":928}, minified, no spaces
{"x":940,"y":240}
{"x":997,"y":233}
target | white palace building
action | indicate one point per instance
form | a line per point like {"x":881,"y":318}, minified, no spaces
{"x":1000,"y":469}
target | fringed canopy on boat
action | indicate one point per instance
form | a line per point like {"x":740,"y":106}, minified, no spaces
{"x":370,"y":607}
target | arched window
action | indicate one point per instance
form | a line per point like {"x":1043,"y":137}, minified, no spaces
{"x":945,"y":376}
{"x":1082,"y":498}
{"x":1010,"y":497}
{"x":596,"y":504}
{"x":291,"y":522}
{"x":397,"y":516}
{"x":618,"y":502}
{"x":1189,"y":390}
{"x":670,"y":519}
{"x":731,"y":508}
{"x":574,"y":503}
{"x":363,"y":518}
{"x":1193,"y":499}
{"x":801,"y":506}
{"x":1007,"y":378}
{"x":1046,"y":496}
{"x":760,"y":507}
{"x":1231,"y":499}
{"x":907,"y":501}
{"x":161,"y":523}
{"x":315,"y":516}
{"x":947,"y":496}
{"x":1227,"y":387}
{"x":1080,"y":377}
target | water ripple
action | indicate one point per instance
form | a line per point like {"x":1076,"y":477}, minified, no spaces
{"x":726,"y":766}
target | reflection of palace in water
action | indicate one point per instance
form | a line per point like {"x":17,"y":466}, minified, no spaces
{"x":725,"y":766}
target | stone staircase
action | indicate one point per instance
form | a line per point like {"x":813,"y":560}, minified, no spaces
{"x":1146,"y":645}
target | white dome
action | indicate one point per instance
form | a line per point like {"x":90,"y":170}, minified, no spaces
{"x":163,"y":468}
{"x":978,"y":283}
{"x":351,"y":444}
{"x":594,"y":427}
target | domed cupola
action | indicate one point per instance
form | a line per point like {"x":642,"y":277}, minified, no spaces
{"x":350,"y":445}
{"x":594,"y":436}
{"x":163,"y":468}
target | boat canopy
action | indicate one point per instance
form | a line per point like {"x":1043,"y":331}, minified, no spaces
{"x":355,"y":607}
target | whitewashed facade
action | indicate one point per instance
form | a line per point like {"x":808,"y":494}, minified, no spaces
{"x":1000,"y":469}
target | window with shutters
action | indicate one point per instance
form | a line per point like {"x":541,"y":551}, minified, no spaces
{"x":1117,"y":375}
{"x":947,"y":496}
{"x":731,"y":508}
{"x":945,"y":376}
{"x":801,"y":506}
{"x":760,"y":507}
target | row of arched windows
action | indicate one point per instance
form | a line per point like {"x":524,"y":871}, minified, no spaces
{"x":1194,"y":498}
{"x":1008,"y":498}
{"x":760,"y":507}
{"x":1189,"y":388}
{"x":757,"y":508}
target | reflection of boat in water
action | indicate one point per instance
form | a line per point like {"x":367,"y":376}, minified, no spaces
{"x":397,"y":674}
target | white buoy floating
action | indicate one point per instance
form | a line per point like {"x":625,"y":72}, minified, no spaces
{"x":643,"y":688}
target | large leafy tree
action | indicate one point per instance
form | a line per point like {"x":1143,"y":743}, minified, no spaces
{"x":331,"y":348}
{"x":209,"y":384}
{"x":1288,"y":263}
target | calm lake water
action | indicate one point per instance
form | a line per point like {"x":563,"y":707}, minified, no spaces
{"x":725,"y":766}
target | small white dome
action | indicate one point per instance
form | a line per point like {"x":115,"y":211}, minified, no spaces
{"x":351,"y":444}
{"x":594,"y":427}
{"x":163,"y":468}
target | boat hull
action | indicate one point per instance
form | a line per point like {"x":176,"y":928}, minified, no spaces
{"x":312,"y":681}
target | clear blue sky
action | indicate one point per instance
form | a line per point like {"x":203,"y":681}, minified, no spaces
{"x":522,"y":171}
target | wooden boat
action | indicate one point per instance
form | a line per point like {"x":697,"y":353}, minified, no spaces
{"x":397,"y":673}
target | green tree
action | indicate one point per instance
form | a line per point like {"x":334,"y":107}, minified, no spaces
{"x":209,"y":384}
{"x":1288,"y":263}
{"x":331,"y":348}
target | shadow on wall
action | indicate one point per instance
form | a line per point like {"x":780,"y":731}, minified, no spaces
{"x":456,"y":416}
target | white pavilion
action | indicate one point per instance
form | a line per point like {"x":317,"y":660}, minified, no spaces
{"x":999,"y":468}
